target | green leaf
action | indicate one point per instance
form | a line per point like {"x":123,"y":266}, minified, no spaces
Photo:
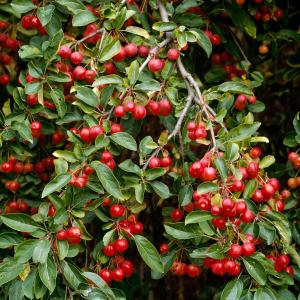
{"x":139,"y":191}
{"x":125,"y":140}
{"x":15,"y":290}
{"x":164,"y":26}
{"x":48,"y":273}
{"x":221,"y":167}
{"x":267,"y":232}
{"x":58,"y":99}
{"x":161,"y":189}
{"x":151,"y":86}
{"x":185,"y":195}
{"x":235,"y":87}
{"x":87,"y":96}
{"x":24,"y":250}
{"x":56,"y":184}
{"x":197,"y":216}
{"x":40,"y":252}
{"x":9,"y":270}
{"x":83,"y":18}
{"x":20,"y":222}
{"x":264,"y":293}
{"x":128,"y":166}
{"x":27,"y":52}
{"x":138,"y":31}
{"x":8,"y":239}
{"x":71,"y":274}
{"x":108,"y":79}
{"x":152,"y":174}
{"x":181,"y":231}
{"x":231,"y":151}
{"x":22,"y":6}
{"x":107,"y":179}
{"x":23,"y":130}
{"x":186,"y":4}
{"x":66,"y":155}
{"x":45,"y":13}
{"x":148,"y":253}
{"x":250,"y":188}
{"x":242,"y":132}
{"x":256,"y":270}
{"x":202,"y":40}
{"x":110,"y":50}
{"x":285,"y":295}
{"x":242,"y":19}
{"x":267,"y":161}
{"x":133,"y":72}
{"x":207,"y":187}
{"x":233,"y":290}
{"x":62,"y":248}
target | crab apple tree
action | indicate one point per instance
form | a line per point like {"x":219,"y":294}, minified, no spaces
{"x":131,"y":126}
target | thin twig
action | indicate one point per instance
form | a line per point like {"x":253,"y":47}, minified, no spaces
{"x":153,"y":52}
{"x":183,"y":113}
{"x":157,"y":150}
{"x":88,"y":36}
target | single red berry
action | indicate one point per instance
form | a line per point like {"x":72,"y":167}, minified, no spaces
{"x":109,"y":250}
{"x":117,"y":210}
{"x":64,"y":52}
{"x":173,"y":54}
{"x":76,"y":58}
{"x":176,"y":215}
{"x":131,"y":50}
{"x":164,"y":248}
{"x":62,"y":235}
{"x":106,"y":275}
{"x":235,"y":251}
{"x":118,"y":274}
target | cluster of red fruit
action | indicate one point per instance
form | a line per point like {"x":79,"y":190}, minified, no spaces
{"x":15,"y":206}
{"x":201,"y":169}
{"x":32,"y":22}
{"x":118,"y":246}
{"x":163,"y":162}
{"x":123,"y":268}
{"x":214,"y":38}
{"x":241,"y":101}
{"x":294,"y":158}
{"x":180,"y":269}
{"x":281,"y":263}
{"x":265,"y":13}
{"x":90,"y":30}
{"x":228,"y":62}
{"x":161,"y":108}
{"x":196,"y":131}
{"x":72,"y":235}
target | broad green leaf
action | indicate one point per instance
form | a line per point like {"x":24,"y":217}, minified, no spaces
{"x":185,"y":195}
{"x":9,"y":270}
{"x":267,"y":161}
{"x":87,"y":96}
{"x":152,"y":174}
{"x":256,"y":270}
{"x":41,"y":250}
{"x":65,"y":154}
{"x":128,"y":166}
{"x":267,"y":232}
{"x":139,"y":191}
{"x":148,"y":253}
{"x":15,"y":290}
{"x":59,"y":100}
{"x":45,"y":13}
{"x":164,"y":26}
{"x":231,"y":151}
{"x":22,"y":6}
{"x":8,"y":239}
{"x":71,"y":274}
{"x":221,"y":167}
{"x":95,"y":279}
{"x":242,"y":132}
{"x":23,"y":130}
{"x":110,"y":50}
{"x":83,"y":18}
{"x":133,"y":72}
{"x":20,"y":222}
{"x":285,"y":295}
{"x":235,"y":87}
{"x":108,"y":179}
{"x":197,"y":216}
{"x":161,"y":189}
{"x":186,"y":4}
{"x":207,"y":187}
{"x":242,"y":19}
{"x":62,"y":248}
{"x":125,"y":140}
{"x":250,"y":188}
{"x":233,"y":290}
{"x":138,"y":31}
{"x":181,"y":231}
{"x":24,"y":250}
{"x":48,"y":273}
{"x":27,"y":52}
{"x":108,"y":79}
{"x":56,"y":184}
{"x":264,"y":293}
{"x":202,"y":40}
{"x":151,"y":86}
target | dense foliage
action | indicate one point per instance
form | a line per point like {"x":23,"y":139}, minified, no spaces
{"x":134,"y":150}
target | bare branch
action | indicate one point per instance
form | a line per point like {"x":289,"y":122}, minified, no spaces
{"x":154,"y":154}
{"x":153,"y":52}
{"x":88,"y":36}
{"x":183,"y":113}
